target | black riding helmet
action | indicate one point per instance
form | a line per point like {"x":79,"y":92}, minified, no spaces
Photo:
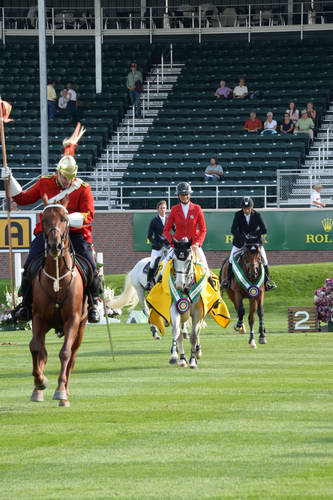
{"x":184,"y":188}
{"x":247,"y":202}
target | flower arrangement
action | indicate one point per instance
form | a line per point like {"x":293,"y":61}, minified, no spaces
{"x":108,"y":296}
{"x":6,"y":319}
{"x":323,"y":301}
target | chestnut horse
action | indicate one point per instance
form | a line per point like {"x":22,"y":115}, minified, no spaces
{"x":251,"y":268}
{"x":59,"y":302}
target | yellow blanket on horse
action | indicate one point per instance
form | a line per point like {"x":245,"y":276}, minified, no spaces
{"x":159,"y":299}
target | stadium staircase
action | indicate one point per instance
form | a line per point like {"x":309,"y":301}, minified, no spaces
{"x":295,"y":186}
{"x":112,"y":166}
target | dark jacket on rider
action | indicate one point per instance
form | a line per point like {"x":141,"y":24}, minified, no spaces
{"x":155,"y":233}
{"x":240,"y":227}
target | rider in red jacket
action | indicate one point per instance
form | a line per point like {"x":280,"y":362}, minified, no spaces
{"x":188,"y":220}
{"x":80,"y":207}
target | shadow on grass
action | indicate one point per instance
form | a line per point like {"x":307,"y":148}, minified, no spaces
{"x":117,"y":353}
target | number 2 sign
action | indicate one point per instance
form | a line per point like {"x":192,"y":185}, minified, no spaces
{"x":303,"y":319}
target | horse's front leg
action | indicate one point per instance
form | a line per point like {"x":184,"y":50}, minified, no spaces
{"x":240,"y":327}
{"x":253,"y":307}
{"x":262,"y":331}
{"x":75,"y":348}
{"x":197,"y":318}
{"x":39,"y":358}
{"x":175,"y":321}
{"x":70,"y":334}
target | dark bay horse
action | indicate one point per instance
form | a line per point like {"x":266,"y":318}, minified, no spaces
{"x":58,"y":302}
{"x":249,"y":266}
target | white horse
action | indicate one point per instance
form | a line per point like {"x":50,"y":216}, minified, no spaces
{"x":134,"y":293}
{"x":183,"y":270}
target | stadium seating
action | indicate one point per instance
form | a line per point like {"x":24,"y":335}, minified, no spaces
{"x":194,"y":126}
{"x":100,"y":114}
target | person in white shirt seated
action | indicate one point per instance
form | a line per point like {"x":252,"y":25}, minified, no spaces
{"x":270,"y":125}
{"x":315,"y":197}
{"x":241,"y":90}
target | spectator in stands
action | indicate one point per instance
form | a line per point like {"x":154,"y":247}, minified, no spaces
{"x":32,"y":16}
{"x":241,"y":91}
{"x":253,"y":124}
{"x":270,"y":125}
{"x":214,"y":171}
{"x":287,"y":126}
{"x":63,"y":100}
{"x":312,"y":113}
{"x":304,"y":125}
{"x":72,"y":102}
{"x":315,"y":197}
{"x":51,"y":100}
{"x":293,"y":112}
{"x":223,"y":92}
{"x":133,"y":77}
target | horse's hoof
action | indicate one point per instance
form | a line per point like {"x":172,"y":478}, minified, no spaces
{"x":182,"y":363}
{"x":43,"y":385}
{"x":37,"y":396}
{"x":173,"y":361}
{"x":64,"y":402}
{"x":242,"y":329}
{"x":198,"y":351}
{"x":193,"y":363}
{"x":60,"y":395}
{"x":156,"y":336}
{"x":262,"y":340}
{"x":253,"y":344}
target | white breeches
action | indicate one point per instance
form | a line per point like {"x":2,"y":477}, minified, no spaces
{"x":198,"y":253}
{"x":153,"y":256}
{"x":236,"y":250}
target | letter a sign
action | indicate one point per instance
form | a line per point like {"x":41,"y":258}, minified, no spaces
{"x":21,"y":227}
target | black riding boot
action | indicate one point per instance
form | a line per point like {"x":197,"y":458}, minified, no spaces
{"x":23,"y":312}
{"x":150,"y":277}
{"x":95,"y":290}
{"x":269,"y":284}
{"x":227,"y":282}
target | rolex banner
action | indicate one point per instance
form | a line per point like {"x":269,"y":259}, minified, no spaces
{"x":287,"y":230}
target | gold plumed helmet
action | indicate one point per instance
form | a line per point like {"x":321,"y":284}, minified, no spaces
{"x":67,"y":167}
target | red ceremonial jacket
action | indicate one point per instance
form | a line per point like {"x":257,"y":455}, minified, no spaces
{"x":193,"y":227}
{"x":80,"y":200}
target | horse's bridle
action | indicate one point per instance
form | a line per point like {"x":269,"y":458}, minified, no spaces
{"x":63,"y":236}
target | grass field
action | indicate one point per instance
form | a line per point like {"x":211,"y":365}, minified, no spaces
{"x":253,"y":424}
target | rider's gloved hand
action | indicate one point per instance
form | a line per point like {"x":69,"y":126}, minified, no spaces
{"x":5,"y":172}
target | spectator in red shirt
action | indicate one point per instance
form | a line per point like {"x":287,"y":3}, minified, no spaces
{"x":253,"y":124}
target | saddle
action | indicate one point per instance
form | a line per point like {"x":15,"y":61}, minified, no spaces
{"x":147,"y":266}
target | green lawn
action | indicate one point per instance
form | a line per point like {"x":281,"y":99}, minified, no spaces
{"x":247,"y":423}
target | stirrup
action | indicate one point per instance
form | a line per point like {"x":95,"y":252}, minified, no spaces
{"x":149,"y":286}
{"x":93,"y":315}
{"x":225,"y":283}
{"x":21,"y":313}
{"x":270,"y":285}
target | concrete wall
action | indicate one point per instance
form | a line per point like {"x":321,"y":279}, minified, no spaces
{"x":113,"y":237}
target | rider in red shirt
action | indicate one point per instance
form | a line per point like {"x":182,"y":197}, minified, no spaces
{"x":57,"y":186}
{"x":188,"y":220}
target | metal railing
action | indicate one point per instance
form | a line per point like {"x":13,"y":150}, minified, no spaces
{"x":128,"y":193}
{"x":181,"y":18}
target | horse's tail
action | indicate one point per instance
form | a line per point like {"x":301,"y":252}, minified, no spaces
{"x":129,"y":297}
